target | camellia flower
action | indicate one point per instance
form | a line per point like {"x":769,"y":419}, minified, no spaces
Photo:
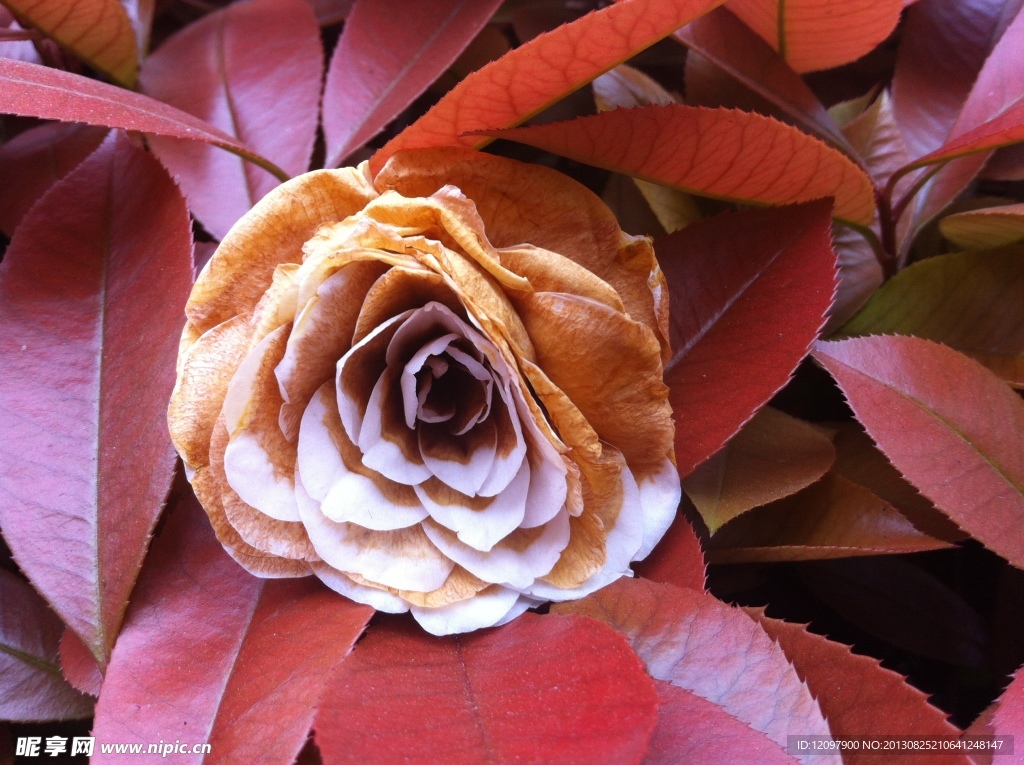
{"x":438,"y":390}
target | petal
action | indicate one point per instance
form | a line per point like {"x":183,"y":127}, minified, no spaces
{"x":272,"y":233}
{"x":380,"y":600}
{"x":259,"y":461}
{"x":403,"y":559}
{"x":331,"y":472}
{"x":278,"y":304}
{"x":322,"y":334}
{"x":660,"y":494}
{"x":622,"y":541}
{"x":206,"y":369}
{"x":480,"y":522}
{"x":485,"y":609}
{"x":400,"y":290}
{"x":516,"y":560}
{"x":274,"y":537}
{"x":387,"y":445}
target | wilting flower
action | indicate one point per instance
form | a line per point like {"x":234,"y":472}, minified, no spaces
{"x":439,"y":389}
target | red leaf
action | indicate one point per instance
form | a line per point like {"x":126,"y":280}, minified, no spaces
{"x":541,"y":689}
{"x":97,"y":31}
{"x":212,"y":654}
{"x":696,"y":642}
{"x":729,"y":44}
{"x":811,"y":35}
{"x":380,"y":67}
{"x":772,"y":456}
{"x":992,"y":116}
{"x":677,"y":559}
{"x":693,"y":731}
{"x":834,"y":518}
{"x":1008,"y":716}
{"x":79,"y":665}
{"x":943,"y":44}
{"x":263,"y":89}
{"x":330,"y":11}
{"x":712,"y":152}
{"x":31,"y":687}
{"x":535,"y":75}
{"x":749,"y":291}
{"x":92,"y":291}
{"x":950,"y":426}
{"x":38,"y":158}
{"x":858,"y":696}
{"x":36,"y":91}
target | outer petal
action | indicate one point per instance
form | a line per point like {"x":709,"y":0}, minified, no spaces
{"x":485,"y":609}
{"x":381,"y":600}
{"x":660,"y":494}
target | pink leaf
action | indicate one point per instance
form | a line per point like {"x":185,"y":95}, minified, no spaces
{"x":212,"y":654}
{"x":696,"y":642}
{"x":541,"y":689}
{"x":535,"y":75}
{"x":36,"y":91}
{"x":749,"y":292}
{"x":950,"y":426}
{"x":31,"y":687}
{"x":262,"y":89}
{"x":694,"y":731}
{"x":92,"y":291}
{"x":79,"y":665}
{"x":38,"y":158}
{"x":380,"y":67}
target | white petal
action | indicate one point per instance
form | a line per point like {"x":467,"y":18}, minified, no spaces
{"x":377,"y":555}
{"x":319,"y":462}
{"x":379,"y":453}
{"x":503,"y":564}
{"x":356,"y":499}
{"x":252,"y":476}
{"x":522,"y":605}
{"x":482,"y":529}
{"x":621,"y":545}
{"x":506,"y":467}
{"x":410,"y":400}
{"x":549,"y":486}
{"x":466,"y":477}
{"x":659,"y":499}
{"x":485,"y":609}
{"x":380,"y":600}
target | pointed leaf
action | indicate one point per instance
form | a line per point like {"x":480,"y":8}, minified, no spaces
{"x":380,"y":67}
{"x":31,"y":686}
{"x":212,"y":654}
{"x":677,"y":559}
{"x":262,"y":89}
{"x":97,"y":31}
{"x":943,"y":45}
{"x":811,"y":35}
{"x":712,"y":152}
{"x":92,"y":290}
{"x":36,"y":91}
{"x":540,"y":72}
{"x":694,"y":731}
{"x":860,"y":274}
{"x":1008,"y":716}
{"x":893,"y":599}
{"x":730,"y":45}
{"x":877,"y":139}
{"x":774,"y":455}
{"x":78,"y":665}
{"x":834,"y":518}
{"x":749,"y":291}
{"x":969,"y":300}
{"x":696,"y":642}
{"x":985,"y":228}
{"x":950,"y":426}
{"x":38,"y":158}
{"x":858,"y":696}
{"x":541,"y":689}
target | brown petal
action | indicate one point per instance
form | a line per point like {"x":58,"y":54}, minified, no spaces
{"x":610,"y":367}
{"x":529,"y":204}
{"x":584,"y":556}
{"x":278,"y":304}
{"x":459,"y":585}
{"x":208,"y":491}
{"x":322,"y":334}
{"x":400,"y":290}
{"x":550,"y":272}
{"x":206,"y":369}
{"x":258,"y":530}
{"x":272,"y":233}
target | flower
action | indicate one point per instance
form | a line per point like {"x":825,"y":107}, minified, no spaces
{"x":438,"y":390}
